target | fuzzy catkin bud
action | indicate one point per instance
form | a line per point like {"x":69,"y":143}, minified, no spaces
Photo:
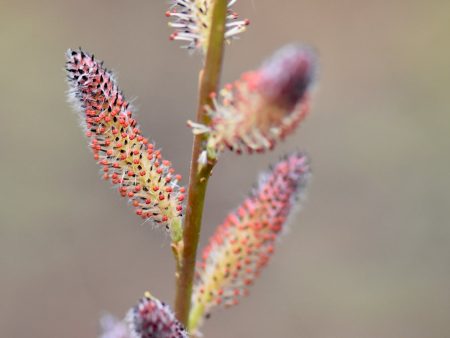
{"x":192,"y":22}
{"x":263,"y":106}
{"x":244,"y":243}
{"x":111,"y":327}
{"x":152,"y":318}
{"x":127,"y":158}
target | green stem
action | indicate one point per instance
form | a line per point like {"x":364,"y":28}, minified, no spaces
{"x":195,"y":316}
{"x":199,"y":173}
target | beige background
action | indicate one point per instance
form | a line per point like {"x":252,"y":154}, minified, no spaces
{"x":368,"y":256}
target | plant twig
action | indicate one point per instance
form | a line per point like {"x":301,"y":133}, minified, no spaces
{"x":200,"y":173}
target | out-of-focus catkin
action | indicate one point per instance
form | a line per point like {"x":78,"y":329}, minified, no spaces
{"x":126,"y":157}
{"x":192,"y":22}
{"x":245,"y":241}
{"x":263,"y":106}
{"x":111,"y":327}
{"x":152,"y":318}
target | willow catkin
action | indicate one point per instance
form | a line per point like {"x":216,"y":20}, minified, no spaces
{"x":126,"y":157}
{"x":243,"y":244}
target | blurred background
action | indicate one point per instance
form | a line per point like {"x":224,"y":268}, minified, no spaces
{"x":367,"y":257}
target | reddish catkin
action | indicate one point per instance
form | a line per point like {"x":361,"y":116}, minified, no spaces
{"x":244,"y":243}
{"x":127,"y":158}
{"x":192,"y":22}
{"x":263,"y":106}
{"x":152,"y":318}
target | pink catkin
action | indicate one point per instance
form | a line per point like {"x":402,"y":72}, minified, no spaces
{"x":244,"y":243}
{"x":263,"y":106}
{"x":127,"y":158}
{"x":152,"y":318}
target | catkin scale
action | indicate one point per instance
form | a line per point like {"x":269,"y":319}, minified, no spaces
{"x":127,"y":158}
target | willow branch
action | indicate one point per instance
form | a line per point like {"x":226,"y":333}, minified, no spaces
{"x":199,"y":173}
